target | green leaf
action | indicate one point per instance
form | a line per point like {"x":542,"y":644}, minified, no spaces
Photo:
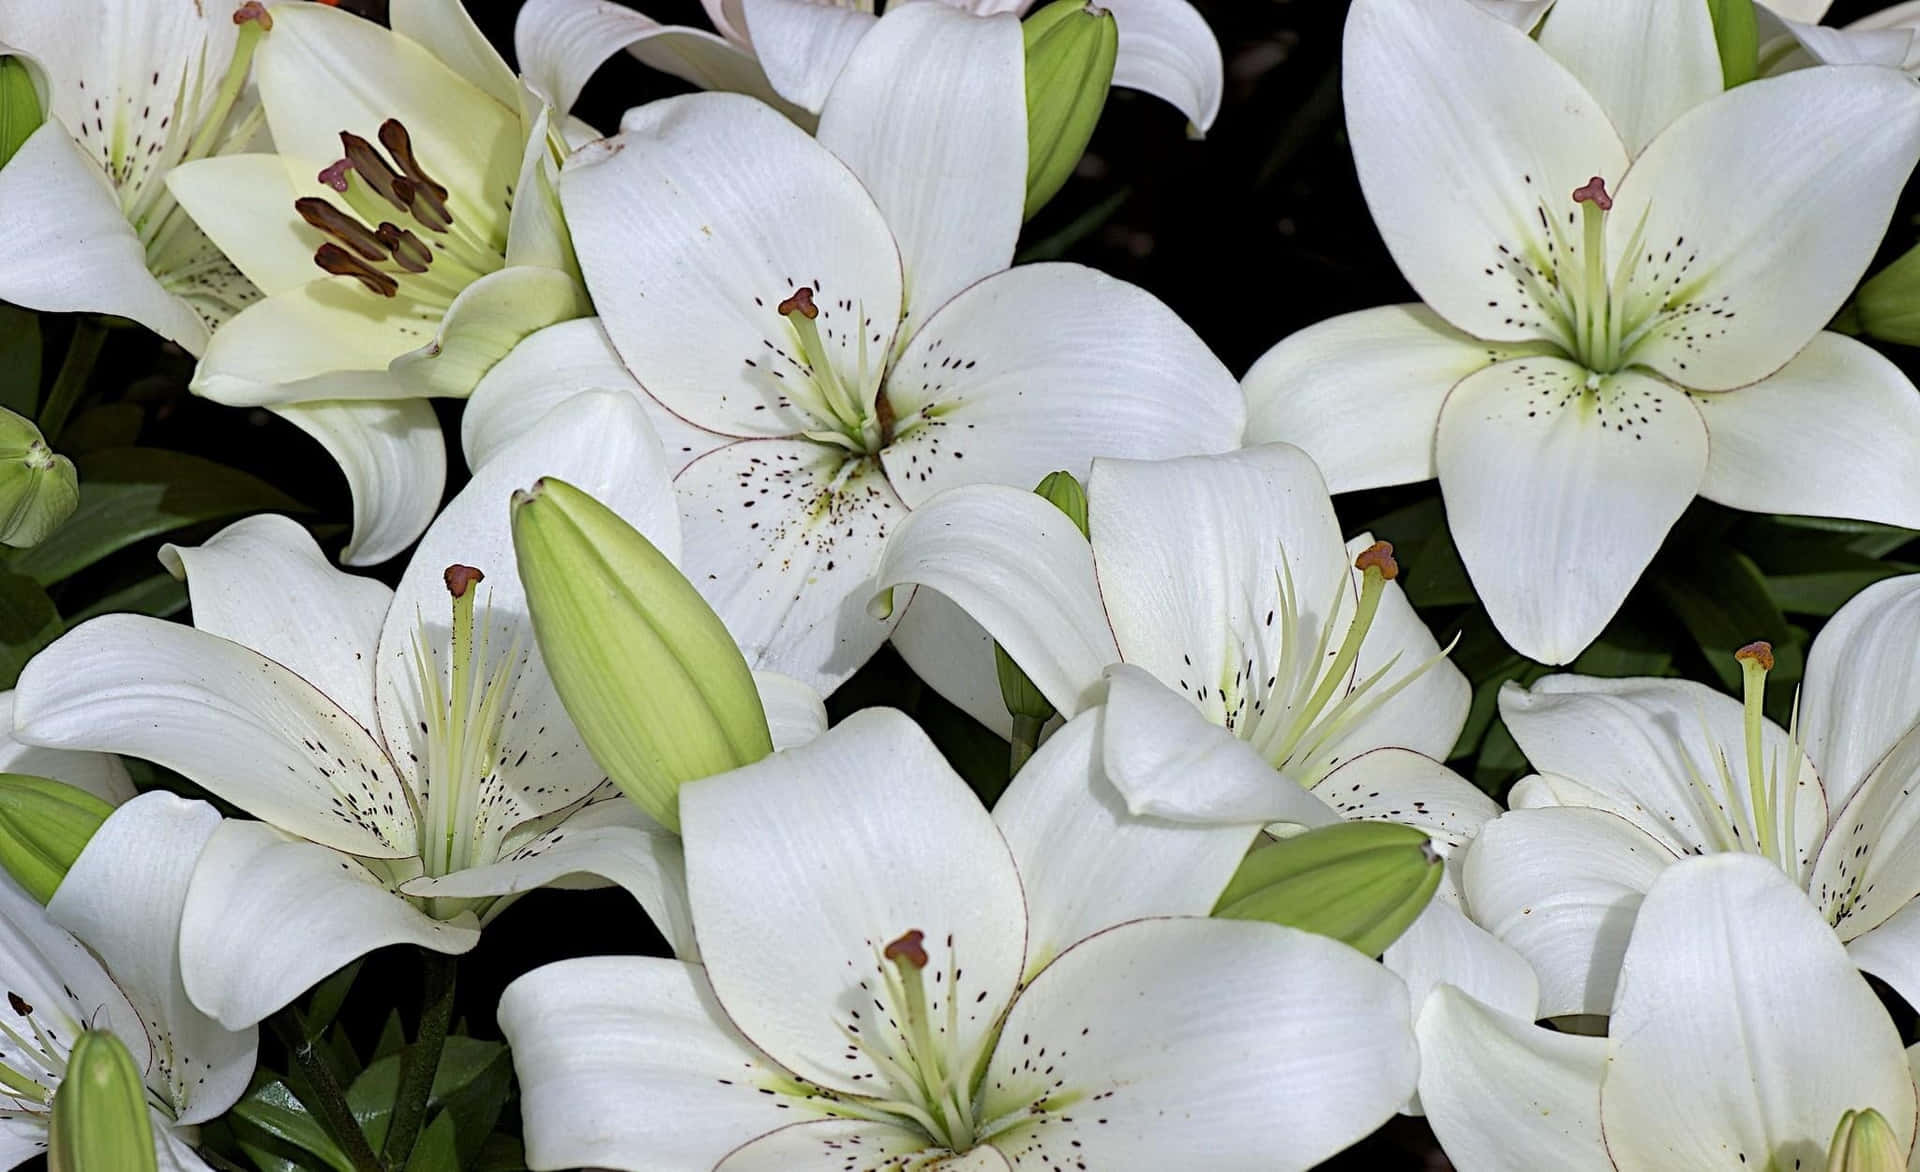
{"x":328,"y":996}
{"x":501,"y":1153}
{"x":130,"y":494}
{"x":471,"y":1086}
{"x":392,"y":1039}
{"x":1738,"y":37}
{"x":28,"y":622}
{"x":1431,"y":571}
{"x":161,"y":595}
{"x":277,"y":1111}
{"x":436,"y":1150}
{"x":20,"y":349}
{"x":1720,"y":596}
{"x":110,"y":425}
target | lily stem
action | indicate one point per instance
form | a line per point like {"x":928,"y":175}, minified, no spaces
{"x":89,"y":335}
{"x":329,"y":1101}
{"x":420,"y":1061}
{"x":1026,"y":737}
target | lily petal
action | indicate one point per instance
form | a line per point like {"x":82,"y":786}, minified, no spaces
{"x":1396,"y":785}
{"x":1891,"y":951}
{"x":1021,"y":569}
{"x":1546,"y":481}
{"x":327,"y":339}
{"x":1168,"y":50}
{"x":983,"y":397}
{"x":100,"y":774}
{"x":268,"y":916}
{"x":1838,"y":407}
{"x":953,"y":655}
{"x":1790,"y":181}
{"x":1869,"y":867}
{"x":124,"y":898}
{"x":1861,"y":694}
{"x":1088,"y":864}
{"x":486,"y":321}
{"x":903,"y":834}
{"x":1427,"y":714}
{"x":1242,"y":1072}
{"x":63,"y":983}
{"x":226,"y":718}
{"x":931,"y":113}
{"x":1732,"y":971}
{"x":562,"y":43}
{"x":244,"y":204}
{"x":1646,"y":61}
{"x":795,"y":713}
{"x":395,"y":461}
{"x":803,"y":46}
{"x":1443,"y":949}
{"x":448,"y":32}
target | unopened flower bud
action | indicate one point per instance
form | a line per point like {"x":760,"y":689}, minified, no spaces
{"x":20,"y":111}
{"x":44,"y":825}
{"x":1887,"y":306}
{"x":38,"y":488}
{"x":1359,"y":882}
{"x":100,"y":1119}
{"x":1737,"y":36}
{"x":1017,"y":692}
{"x":1071,"y":45}
{"x":1865,"y":1142}
{"x":653,"y":681}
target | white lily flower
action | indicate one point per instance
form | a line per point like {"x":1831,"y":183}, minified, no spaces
{"x":1250,"y":670}
{"x":405,"y":234}
{"x":1741,"y":1039}
{"x":828,"y":333}
{"x":1634,"y":774}
{"x":893,"y":977}
{"x":406,"y":753}
{"x":1593,"y":316}
{"x":125,"y":905}
{"x":794,"y":50}
{"x":133,"y":89}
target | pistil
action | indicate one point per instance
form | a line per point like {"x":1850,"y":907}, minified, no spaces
{"x":838,"y":402}
{"x":1764,"y":823}
{"x":1596,"y":330}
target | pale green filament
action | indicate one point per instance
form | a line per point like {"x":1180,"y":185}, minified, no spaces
{"x":1765,"y":822}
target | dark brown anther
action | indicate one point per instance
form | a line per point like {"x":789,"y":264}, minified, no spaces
{"x":336,"y":260}
{"x":460,"y":577}
{"x":374,"y":170}
{"x":801,"y":303}
{"x":429,"y":197}
{"x":19,"y":1004}
{"x":909,"y":948}
{"x":340,"y":226}
{"x":1595,"y":192}
{"x":408,"y":252}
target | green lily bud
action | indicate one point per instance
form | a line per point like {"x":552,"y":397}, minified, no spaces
{"x":1864,"y":1142}
{"x":100,"y":1111}
{"x":1360,"y":882}
{"x":20,"y":113}
{"x":1887,"y":306}
{"x":1022,"y":699}
{"x":44,"y":825}
{"x":653,"y":681}
{"x":1071,"y":46}
{"x":38,"y":489}
{"x":1738,"y":39}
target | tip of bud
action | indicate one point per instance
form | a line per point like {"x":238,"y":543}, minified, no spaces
{"x":255,"y":12}
{"x":1595,"y":193}
{"x":19,"y":1004}
{"x":801,"y":303}
{"x":1378,"y":555}
{"x":908,"y":949}
{"x":1760,"y":652}
{"x":459,"y":578}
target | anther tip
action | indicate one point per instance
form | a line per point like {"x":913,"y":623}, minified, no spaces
{"x":1379,"y":556}
{"x":801,"y":302}
{"x":1595,"y":192}
{"x":254,"y":12}
{"x":459,"y":578}
{"x":19,"y":1004}
{"x":908,"y":949}
{"x":1759,"y":652}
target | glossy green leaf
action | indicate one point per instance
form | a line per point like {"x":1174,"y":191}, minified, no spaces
{"x":437,"y":1149}
{"x":275,"y":1110}
{"x":28,"y":622}
{"x":471,"y":1087}
{"x":20,"y":352}
{"x":160,"y":595}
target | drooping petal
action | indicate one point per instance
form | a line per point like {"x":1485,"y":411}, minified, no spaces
{"x":327,"y":339}
{"x":226,"y":718}
{"x":953,"y":655}
{"x":100,"y":774}
{"x":600,"y":443}
{"x":1506,"y":1095}
{"x":981,"y":396}
{"x":486,"y":321}
{"x":783,"y":538}
{"x":1837,"y":408}
{"x":1397,"y":785}
{"x":1558,"y":495}
{"x":795,"y":713}
{"x":395,"y":461}
{"x":826,"y":1144}
{"x":1427,"y":714}
{"x":562,"y":43}
{"x":688,"y":284}
{"x":931,"y":113}
{"x":1167,"y":50}
{"x":1168,"y":761}
{"x":790,"y":942}
{"x":1641,"y":742}
{"x":1861,"y":693}
{"x":1241,"y":1071}
{"x":263,"y":583}
{"x":1087,"y":864}
{"x":1020,"y":568}
{"x":1468,"y":137}
{"x":1789,"y":182}
{"x":123,"y":898}
{"x":1741,"y":1028}
{"x":1361,"y":392}
{"x":1647,"y":62}
{"x":1561,"y":887}
{"x":69,"y":247}
{"x":268,"y":916}
{"x":803,"y":46}
{"x":630,"y":1062}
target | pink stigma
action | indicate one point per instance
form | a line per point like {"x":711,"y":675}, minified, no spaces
{"x":1595,"y":192}
{"x":335,"y":175}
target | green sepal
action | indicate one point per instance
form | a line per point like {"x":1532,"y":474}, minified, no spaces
{"x":1071,"y":47}
{"x":649,"y":674}
{"x":100,"y":1121}
{"x":20,"y":111}
{"x":1362,"y":883}
{"x":1017,"y":692}
{"x":44,"y":825}
{"x":39,"y":489}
